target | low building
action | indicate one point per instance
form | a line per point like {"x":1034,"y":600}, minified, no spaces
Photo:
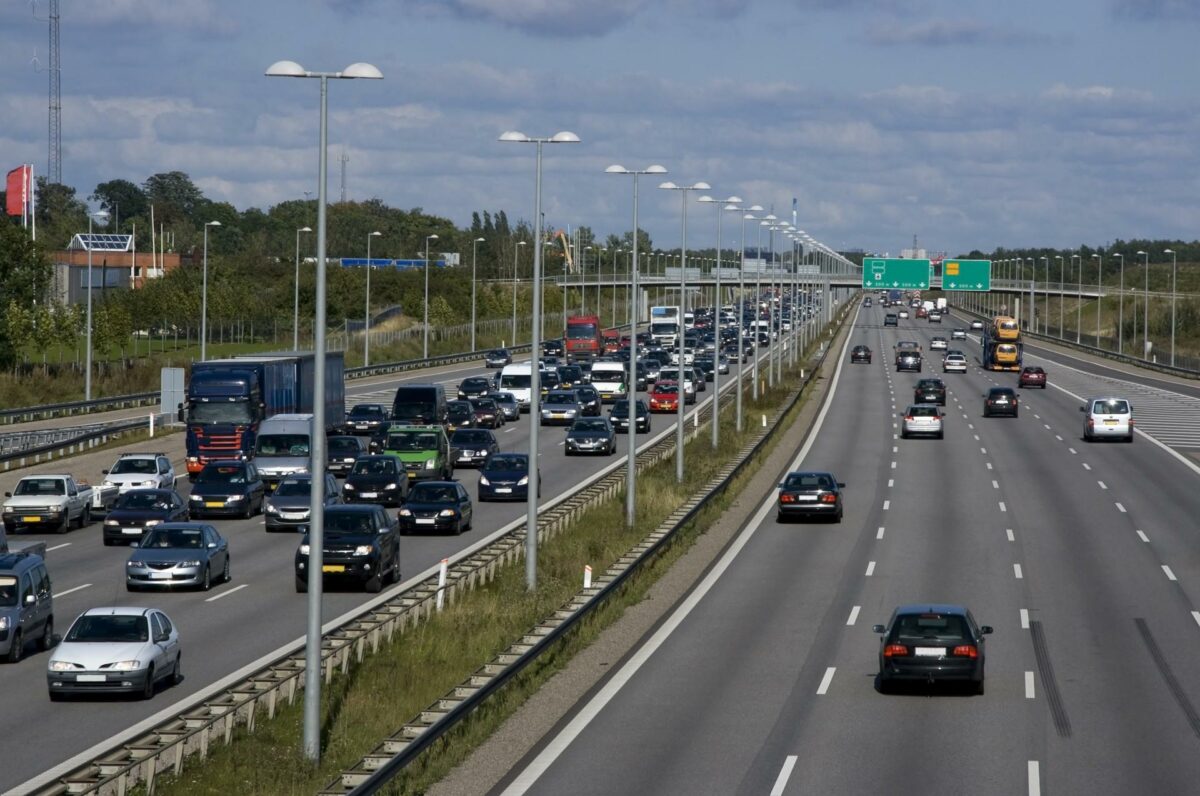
{"x":115,"y":266}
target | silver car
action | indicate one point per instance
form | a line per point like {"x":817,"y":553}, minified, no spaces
{"x":288,"y":506}
{"x":115,"y":650}
{"x":178,"y":554}
{"x":954,"y":363}
{"x":922,"y":420}
{"x":1108,"y":418}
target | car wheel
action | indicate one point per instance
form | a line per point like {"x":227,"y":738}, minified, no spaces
{"x":301,"y":585}
{"x":884,"y":685}
{"x":226,"y":575}
{"x":248,"y":512}
{"x":148,"y":689}
{"x":979,"y":688}
{"x":65,"y":525}
{"x":903,"y":433}
{"x":1129,"y":438}
{"x":1016,"y":412}
{"x":206,"y":584}
{"x":85,"y":517}
{"x":374,"y":585}
{"x":16,"y":649}
{"x":47,"y":639}
{"x":109,"y":542}
{"x":941,"y":435}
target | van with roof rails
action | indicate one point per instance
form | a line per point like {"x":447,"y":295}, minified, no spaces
{"x":26,"y":605}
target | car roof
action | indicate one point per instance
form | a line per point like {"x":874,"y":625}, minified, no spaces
{"x":118,"y":610}
{"x":931,"y":608}
{"x":1001,"y":389}
{"x":139,"y":455}
{"x":351,"y":508}
{"x":18,"y":562}
{"x":413,"y":429}
{"x":181,"y":526}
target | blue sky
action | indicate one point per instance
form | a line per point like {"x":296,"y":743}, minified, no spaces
{"x":969,"y":124}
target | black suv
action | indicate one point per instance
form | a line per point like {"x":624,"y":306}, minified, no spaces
{"x":366,"y":419}
{"x":378,"y":479}
{"x":930,"y":391}
{"x":349,"y":530}
{"x":908,"y":360}
{"x":1000,"y":401}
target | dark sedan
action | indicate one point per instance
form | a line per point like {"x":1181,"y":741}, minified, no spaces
{"x":931,"y":643}
{"x":341,"y":451}
{"x":227,"y":488}
{"x":589,"y":399}
{"x":810,"y":494}
{"x":1032,"y":376}
{"x":459,"y":414}
{"x":570,"y":375}
{"x":1000,"y":401}
{"x":485,"y":413}
{"x":376,"y":479}
{"x":930,"y":391}
{"x":619,"y":415}
{"x":139,"y":510}
{"x":504,"y":476}
{"x":179,"y":554}
{"x":908,"y":360}
{"x":366,"y":419}
{"x":437,"y":506}
{"x":497,"y":358}
{"x":860,"y":353}
{"x":507,"y":403}
{"x":287,"y":509}
{"x":591,"y":435}
{"x":473,"y":387}
{"x":470,"y":447}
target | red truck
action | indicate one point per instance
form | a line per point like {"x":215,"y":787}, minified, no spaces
{"x":612,"y":341}
{"x":583,"y":338}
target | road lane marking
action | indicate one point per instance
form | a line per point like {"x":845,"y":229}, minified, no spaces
{"x":68,"y":591}
{"x":887,"y":504}
{"x":879,"y":533}
{"x":895,"y":449}
{"x":1037,"y":416}
{"x":983,"y":451}
{"x":1102,"y":485}
{"x":971,"y":426}
{"x":1121,"y":508}
{"x":1024,"y":618}
{"x":891,"y":482}
{"x":1009,"y":533}
{"x":1143,"y":536}
{"x":1087,"y":466}
{"x":870,"y":568}
{"x":58,"y":547}
{"x":216,"y":597}
{"x":995,"y":484}
{"x":1196,"y":616}
{"x":853,"y":615}
{"x":1029,"y":685}
{"x":893,"y":465}
{"x":1035,"y":779}
{"x":1047,"y":425}
{"x":509,"y":430}
{"x":1167,"y":571}
{"x":1058,"y":437}
{"x":1072,"y":450}
{"x":785,"y":773}
{"x":976,"y":437}
{"x":1002,"y":506}
{"x":826,"y":680}
{"x":1017,"y":571}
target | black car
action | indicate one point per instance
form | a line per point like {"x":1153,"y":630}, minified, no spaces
{"x":473,"y":387}
{"x":507,"y":403}
{"x":486,"y":413}
{"x":497,"y":358}
{"x":378,"y":479}
{"x":366,"y":419}
{"x":459,"y":414}
{"x":930,"y":391}
{"x":1000,"y":401}
{"x":227,"y":488}
{"x":591,"y":435}
{"x":810,"y":494}
{"x":140,"y":509}
{"x":470,"y":447}
{"x":553,"y":348}
{"x":908,"y":360}
{"x":362,"y":545}
{"x":706,"y":364}
{"x":860,"y":353}
{"x":570,"y":375}
{"x":927,"y":643}
{"x":437,"y":506}
{"x":619,"y":415}
{"x":589,"y":399}
{"x":342,"y":450}
{"x":505,"y":476}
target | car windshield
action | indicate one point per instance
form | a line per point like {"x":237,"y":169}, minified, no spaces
{"x":560,"y":398}
{"x":923,"y":411}
{"x":471,"y":437}
{"x":808,"y":481}
{"x":497,"y":354}
{"x":475,"y":384}
{"x":502,"y":397}
{"x":141,"y":499}
{"x":666,"y":389}
{"x":581,"y":331}
{"x":189,"y":538}
{"x":411,"y":409}
{"x":1113,"y":406}
{"x":347,"y":522}
{"x":378,"y":466}
{"x":507,"y":462}
{"x":102,"y":629}
{"x":222,"y":474}
{"x":334,"y":445}
{"x":932,"y":627}
{"x":516,"y":381}
{"x":294,"y":487}
{"x":459,"y":409}
{"x":484,"y":405}
{"x":282,"y":445}
{"x":8,"y":590}
{"x":432,"y":493}
{"x":139,"y":466}
{"x":589,"y":425}
{"x":234,"y":412}
{"x":412,"y":442}
{"x":40,"y":486}
{"x":366,"y":412}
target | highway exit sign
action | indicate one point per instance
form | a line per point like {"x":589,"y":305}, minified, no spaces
{"x":971,"y":275}
{"x":884,"y":273}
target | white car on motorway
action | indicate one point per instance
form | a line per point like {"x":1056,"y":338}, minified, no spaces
{"x":903,"y":315}
{"x":958,"y":334}
{"x":115,"y":650}
{"x":977,"y":325}
{"x":140,"y":471}
{"x":1108,"y":418}
{"x":954,"y":363}
{"x":922,"y":420}
{"x":938,"y":343}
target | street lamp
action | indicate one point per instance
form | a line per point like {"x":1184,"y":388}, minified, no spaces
{"x":1173,"y":264}
{"x":679,"y":414}
{"x":1061,"y":279}
{"x":1078,"y":298}
{"x":99,"y":215}
{"x":1099,"y":258}
{"x":427,"y":239}
{"x":474,"y":253}
{"x":1046,"y":291}
{"x":203,"y":295}
{"x":367,"y":314}
{"x":1121,"y":310}
{"x":631,"y":390}
{"x":741,"y":320}
{"x":296,"y":298}
{"x":516,"y":251}
{"x":1146,"y":305}
{"x":316,"y":532}
{"x":722,"y":205}
{"x":535,"y":397}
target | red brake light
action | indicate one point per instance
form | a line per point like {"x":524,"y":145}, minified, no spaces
{"x":785,"y":498}
{"x":908,"y":417}
{"x":894,"y":650}
{"x":966,"y":651}
{"x":829,"y":498}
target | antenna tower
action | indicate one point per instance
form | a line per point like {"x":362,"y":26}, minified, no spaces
{"x":54,"y":161}
{"x":345,"y":159}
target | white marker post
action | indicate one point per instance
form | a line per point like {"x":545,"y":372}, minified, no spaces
{"x":151,"y":424}
{"x":587,"y":576}
{"x":441,"y":591}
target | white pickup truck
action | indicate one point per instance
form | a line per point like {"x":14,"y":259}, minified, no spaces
{"x":54,"y":502}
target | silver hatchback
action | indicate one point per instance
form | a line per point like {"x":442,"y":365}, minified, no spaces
{"x":922,"y":420}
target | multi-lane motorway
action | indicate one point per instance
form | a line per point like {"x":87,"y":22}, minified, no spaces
{"x":1084,"y":557}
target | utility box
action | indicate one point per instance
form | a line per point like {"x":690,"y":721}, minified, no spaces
{"x":172,"y":394}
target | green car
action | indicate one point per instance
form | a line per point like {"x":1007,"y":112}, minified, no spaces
{"x":425,"y":451}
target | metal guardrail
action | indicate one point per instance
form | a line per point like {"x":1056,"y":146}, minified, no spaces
{"x":49,"y":451}
{"x":27,"y":414}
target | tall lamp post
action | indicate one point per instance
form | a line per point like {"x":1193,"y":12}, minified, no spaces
{"x":367,"y":312}
{"x":535,"y":398}
{"x":1078,"y":298}
{"x":631,"y":390}
{"x":516,"y":252}
{"x":741,"y":320}
{"x":203,"y":295}
{"x":722,"y":205}
{"x":1046,"y":292}
{"x":1062,"y":278}
{"x":99,"y":215}
{"x":426,"y":348}
{"x":679,"y":414}
{"x":474,"y":254}
{"x":1173,"y":271}
{"x":1121,"y":308}
{"x":296,"y":296}
{"x":316,"y":533}
{"x":1145,"y":305}
{"x":1099,"y":258}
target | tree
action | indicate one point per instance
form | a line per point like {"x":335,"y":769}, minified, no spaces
{"x":121,"y":198}
{"x":14,"y":332}
{"x":59,"y":214}
{"x":25,"y":277}
{"x":174,"y":196}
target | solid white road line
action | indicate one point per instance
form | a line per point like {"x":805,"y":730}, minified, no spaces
{"x":826,"y":680}
{"x":56,"y":595}
{"x":1017,"y":571}
{"x":1121,"y":508}
{"x":1196,"y":616}
{"x":216,"y":597}
{"x":1024,"y":618}
{"x":870,"y":568}
{"x":879,"y":533}
{"x":1009,"y":533}
{"x":1029,"y":685}
{"x":853,"y":615}
{"x":1143,"y":536}
{"x":785,"y":773}
{"x":58,"y":547}
{"x":1167,"y":571}
{"x":1035,"y":779}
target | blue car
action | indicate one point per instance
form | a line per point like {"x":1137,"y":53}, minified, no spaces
{"x":505,"y":476}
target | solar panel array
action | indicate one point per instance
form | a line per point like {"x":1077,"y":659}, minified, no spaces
{"x":102,"y":242}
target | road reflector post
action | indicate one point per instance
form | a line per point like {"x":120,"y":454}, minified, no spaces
{"x":441,"y":587}
{"x":587,"y":576}
{"x":764,"y":417}
{"x":151,"y":424}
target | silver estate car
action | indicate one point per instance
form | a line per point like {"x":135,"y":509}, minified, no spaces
{"x":922,"y":420}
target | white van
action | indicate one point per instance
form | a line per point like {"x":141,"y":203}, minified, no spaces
{"x":283,"y":447}
{"x":609,"y":379}
{"x":518,"y":380}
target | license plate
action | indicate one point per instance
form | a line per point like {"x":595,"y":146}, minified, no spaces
{"x":333,"y":568}
{"x":31,"y":519}
{"x":1110,"y":422}
{"x":806,"y":498}
{"x":160,"y":576}
{"x":131,"y":530}
{"x":464,"y":457}
{"x":930,"y":652}
{"x":370,"y":494}
{"x":294,"y":515}
{"x":362,"y":427}
{"x":1001,"y":400}
{"x":90,"y":678}
{"x":208,"y":504}
{"x":503,"y":490}
{"x":424,"y":522}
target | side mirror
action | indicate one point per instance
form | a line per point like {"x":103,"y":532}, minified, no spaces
{"x":9,"y":494}
{"x":878,"y":629}
{"x":212,"y":545}
{"x":841,"y":485}
{"x":30,"y":599}
{"x":986,"y":630}
{"x":179,"y":413}
{"x":1081,"y":409}
{"x":104,"y":472}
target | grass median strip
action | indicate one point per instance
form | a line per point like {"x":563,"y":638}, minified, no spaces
{"x":420,"y":665}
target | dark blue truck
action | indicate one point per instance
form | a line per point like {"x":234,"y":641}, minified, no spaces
{"x":227,"y":399}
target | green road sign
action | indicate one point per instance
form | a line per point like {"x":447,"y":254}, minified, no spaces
{"x":967,"y":275}
{"x":895,"y":274}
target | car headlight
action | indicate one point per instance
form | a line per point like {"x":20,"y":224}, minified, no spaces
{"x":304,"y":549}
{"x":430,"y":464}
{"x":349,"y":487}
{"x":152,"y":523}
{"x":108,"y":483}
{"x":111,"y":523}
{"x":524,"y":480}
{"x":447,"y":513}
{"x":195,"y":498}
{"x":126,"y":666}
{"x":133,"y":564}
{"x":390,"y":486}
{"x":405,"y":513}
{"x":483,"y":481}
{"x":271,"y":509}
{"x":363,"y":550}
{"x":3,"y":623}
{"x":234,"y":498}
{"x":63,"y":666}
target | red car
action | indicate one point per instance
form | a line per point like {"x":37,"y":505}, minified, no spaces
{"x":1033,"y":376}
{"x":664,"y":397}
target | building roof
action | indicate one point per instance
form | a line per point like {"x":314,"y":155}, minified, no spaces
{"x":101,"y":242}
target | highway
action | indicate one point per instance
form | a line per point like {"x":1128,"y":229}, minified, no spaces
{"x":238,"y":623}
{"x":1084,"y":558}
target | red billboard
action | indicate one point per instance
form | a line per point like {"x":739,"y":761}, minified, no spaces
{"x":17,"y":187}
